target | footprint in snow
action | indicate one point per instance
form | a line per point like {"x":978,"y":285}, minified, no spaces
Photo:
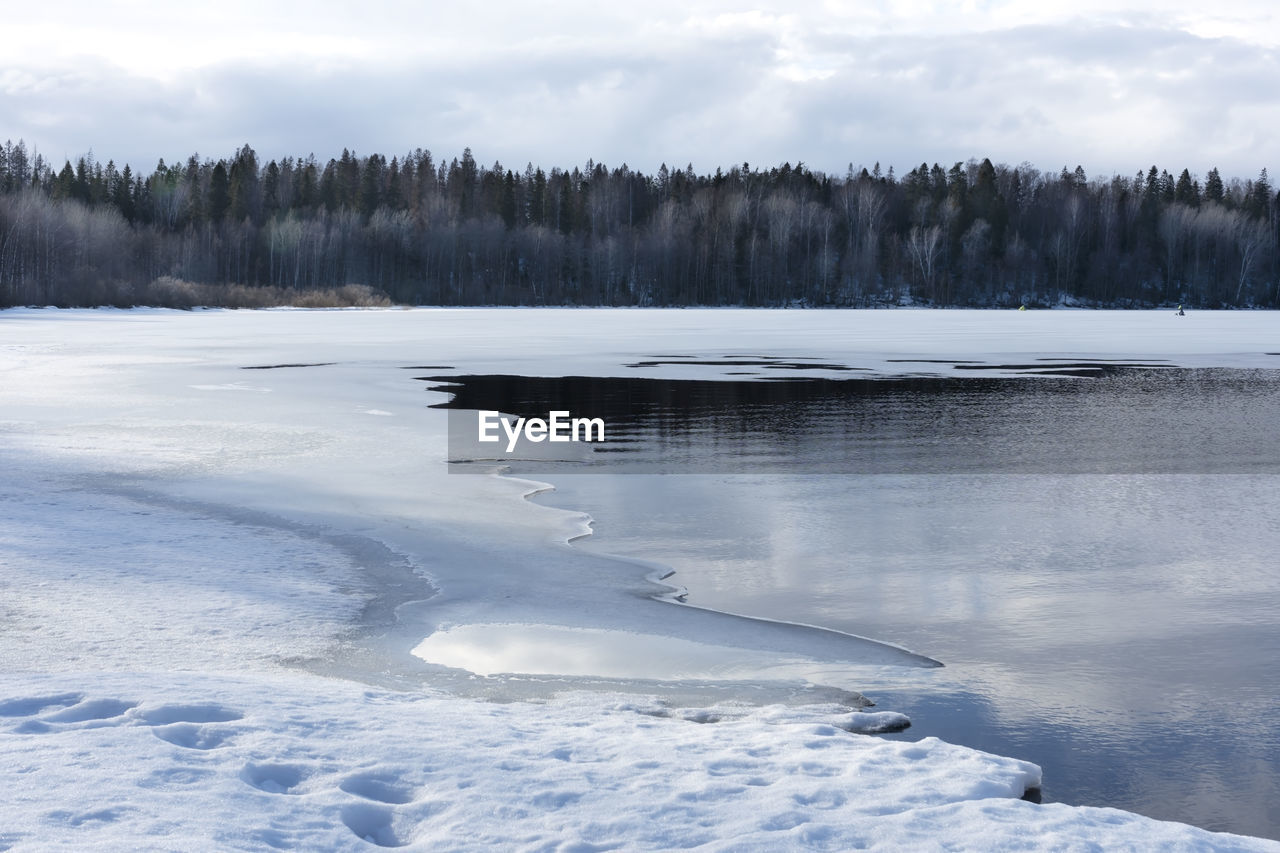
{"x":275,"y":839}
{"x":188,"y":725}
{"x":91,"y":710}
{"x":201,"y":712}
{"x":821,"y":799}
{"x":275,"y":778}
{"x":817,"y":770}
{"x":110,"y":815}
{"x":729,"y":767}
{"x":374,"y":824}
{"x":784,"y":821}
{"x":552,"y":800}
{"x":171,"y":777}
{"x":29,"y":706}
{"x":183,"y":725}
{"x":190,"y":736}
{"x":379,"y":787}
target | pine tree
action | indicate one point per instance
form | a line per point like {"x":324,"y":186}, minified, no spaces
{"x":329,"y":195}
{"x":938,"y":182}
{"x":98,"y":184}
{"x":64,"y":184}
{"x":462,"y":184}
{"x":195,"y":208}
{"x":983,"y":194}
{"x":122,"y":195}
{"x":20,"y":171}
{"x":80,"y":189}
{"x":395,"y":191}
{"x":538,"y":199}
{"x":1186,"y":191}
{"x":306,"y":180}
{"x":242,"y":187}
{"x":1213,"y":189}
{"x":509,"y":200}
{"x":141,"y":198}
{"x":219,"y":192}
{"x":957,"y":185}
{"x":1259,"y":202}
{"x":564,"y":207}
{"x":1151,"y":190}
{"x":371,"y":185}
{"x":271,"y":189}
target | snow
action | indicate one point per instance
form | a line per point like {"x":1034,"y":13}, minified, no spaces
{"x":873,"y":722}
{"x":255,"y":610}
{"x":297,"y":762}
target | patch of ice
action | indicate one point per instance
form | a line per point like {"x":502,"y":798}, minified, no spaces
{"x":490,"y":649}
{"x":232,"y":386}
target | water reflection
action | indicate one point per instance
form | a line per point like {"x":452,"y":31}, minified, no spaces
{"x":495,"y":649}
{"x":1092,"y":559}
{"x":1123,"y":632}
{"x":1124,"y":421}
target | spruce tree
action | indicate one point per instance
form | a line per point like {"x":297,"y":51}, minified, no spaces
{"x":1213,"y":189}
{"x":371,"y":185}
{"x":271,"y":189}
{"x":219,"y":192}
{"x":1186,"y":191}
{"x":395,"y":191}
{"x":509,"y":200}
{"x":538,"y":199}
{"x":122,"y":194}
{"x":1259,"y":202}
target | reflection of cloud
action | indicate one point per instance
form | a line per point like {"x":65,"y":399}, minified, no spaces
{"x":1116,"y":630}
{"x":490,"y":649}
{"x":828,"y":84}
{"x":1108,"y":599}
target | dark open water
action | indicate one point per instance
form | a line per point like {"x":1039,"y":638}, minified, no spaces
{"x":1096,"y":560}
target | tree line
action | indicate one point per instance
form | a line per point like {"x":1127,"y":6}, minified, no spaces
{"x":459,"y":233}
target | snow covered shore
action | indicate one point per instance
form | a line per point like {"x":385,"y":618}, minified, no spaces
{"x":192,"y":552}
{"x":190,"y":761}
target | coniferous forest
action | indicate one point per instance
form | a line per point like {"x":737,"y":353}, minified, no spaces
{"x":365,"y":230}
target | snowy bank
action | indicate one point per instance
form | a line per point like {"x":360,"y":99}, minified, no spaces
{"x":289,"y":762}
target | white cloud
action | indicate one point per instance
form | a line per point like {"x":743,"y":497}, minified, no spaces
{"x":712,"y":83}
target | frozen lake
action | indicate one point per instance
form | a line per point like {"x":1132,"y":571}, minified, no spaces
{"x":245,"y":601}
{"x":1092,"y":557}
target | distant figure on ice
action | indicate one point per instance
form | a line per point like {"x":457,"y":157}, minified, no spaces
{"x":1022,"y":308}
{"x":1181,"y":313}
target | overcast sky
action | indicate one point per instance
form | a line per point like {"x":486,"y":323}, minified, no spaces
{"x":1179,"y":83}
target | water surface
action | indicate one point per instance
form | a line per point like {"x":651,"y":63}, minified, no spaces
{"x":1092,"y":558}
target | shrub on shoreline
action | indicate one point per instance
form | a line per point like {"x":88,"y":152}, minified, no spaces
{"x":169,"y":292}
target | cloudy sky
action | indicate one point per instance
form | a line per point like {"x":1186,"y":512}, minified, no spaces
{"x":1113,"y":86}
